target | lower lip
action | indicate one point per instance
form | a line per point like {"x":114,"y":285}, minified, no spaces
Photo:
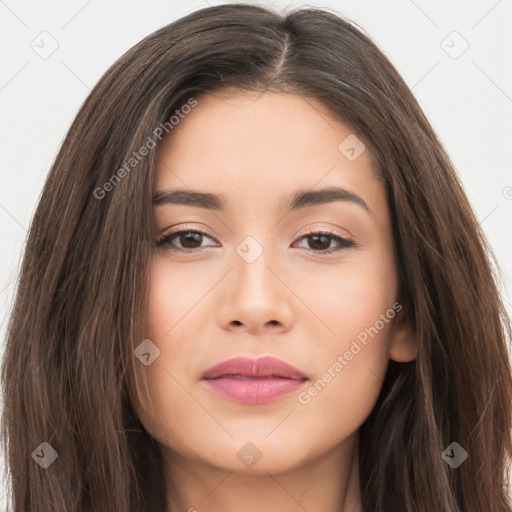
{"x":253,"y":391}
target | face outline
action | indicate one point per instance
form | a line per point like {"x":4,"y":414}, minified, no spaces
{"x":211,"y":304}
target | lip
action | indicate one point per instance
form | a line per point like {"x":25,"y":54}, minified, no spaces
{"x":253,"y":381}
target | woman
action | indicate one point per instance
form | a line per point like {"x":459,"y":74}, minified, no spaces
{"x":253,"y":280}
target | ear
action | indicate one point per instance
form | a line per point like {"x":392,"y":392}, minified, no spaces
{"x":403,"y":345}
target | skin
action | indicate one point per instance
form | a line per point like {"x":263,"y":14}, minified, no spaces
{"x":291,"y":303}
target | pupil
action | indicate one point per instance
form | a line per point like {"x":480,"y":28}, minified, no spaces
{"x":196,"y":237}
{"x":316,"y":238}
{"x":319,"y":242}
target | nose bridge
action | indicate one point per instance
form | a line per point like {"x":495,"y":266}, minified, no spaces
{"x":257,"y":297}
{"x":254,"y":258}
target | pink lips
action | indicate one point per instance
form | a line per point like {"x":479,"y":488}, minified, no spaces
{"x":253,"y":381}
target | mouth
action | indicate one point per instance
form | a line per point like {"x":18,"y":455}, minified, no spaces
{"x":253,"y":381}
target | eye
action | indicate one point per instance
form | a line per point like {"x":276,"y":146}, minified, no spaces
{"x":320,"y":241}
{"x":190,"y":240}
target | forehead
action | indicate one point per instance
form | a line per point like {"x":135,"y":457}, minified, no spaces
{"x":246,"y":146}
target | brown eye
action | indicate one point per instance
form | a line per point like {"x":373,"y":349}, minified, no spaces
{"x":188,"y":240}
{"x":320,"y":242}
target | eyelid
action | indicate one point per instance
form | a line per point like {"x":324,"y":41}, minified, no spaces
{"x":304,"y":231}
{"x":333,"y":231}
{"x":346,"y":242}
{"x":185,"y":228}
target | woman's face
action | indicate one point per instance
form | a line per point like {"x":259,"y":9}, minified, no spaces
{"x":257,"y":284}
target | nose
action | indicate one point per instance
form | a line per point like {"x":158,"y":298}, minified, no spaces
{"x":256,"y":299}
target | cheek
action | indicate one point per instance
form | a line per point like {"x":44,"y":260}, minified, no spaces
{"x":351,"y":367}
{"x":351,"y":359}
{"x":348,"y":298}
{"x":172,"y":314}
{"x":178,"y":306}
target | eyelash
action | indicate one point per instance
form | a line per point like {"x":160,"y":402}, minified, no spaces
{"x":167,"y":239}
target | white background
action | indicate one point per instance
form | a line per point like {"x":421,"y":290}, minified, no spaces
{"x":467,"y":99}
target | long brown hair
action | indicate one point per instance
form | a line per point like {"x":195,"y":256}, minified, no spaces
{"x":81,"y":297}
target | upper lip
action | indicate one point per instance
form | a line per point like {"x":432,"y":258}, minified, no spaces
{"x":247,"y":367}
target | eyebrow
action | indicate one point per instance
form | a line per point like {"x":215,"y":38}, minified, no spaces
{"x":300,"y":199}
